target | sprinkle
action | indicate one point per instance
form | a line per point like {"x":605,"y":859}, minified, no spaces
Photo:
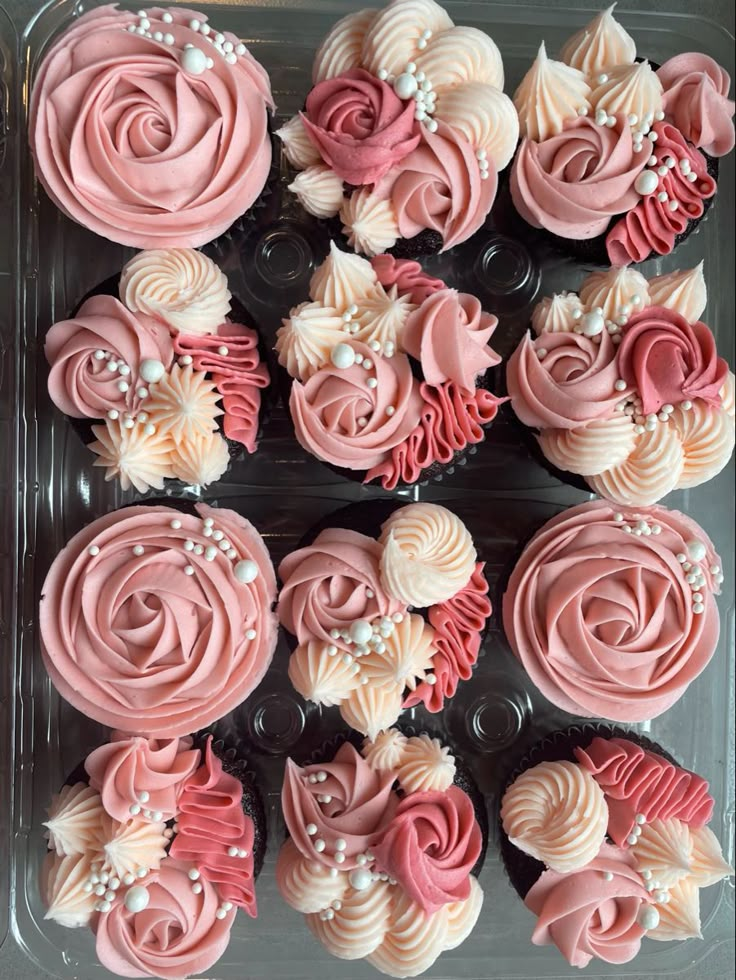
{"x":210,"y":552}
{"x":319,"y":845}
{"x":632,"y":839}
{"x":193,"y":874}
{"x":311,"y":829}
{"x":339,"y":857}
{"x":698,"y":608}
{"x":620,"y":385}
{"x":250,"y":634}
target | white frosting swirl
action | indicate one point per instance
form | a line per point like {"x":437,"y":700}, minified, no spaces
{"x":63,"y":881}
{"x":319,"y":677}
{"x":340,"y":51}
{"x":652,"y":470}
{"x":556,"y":314}
{"x":592,"y":448}
{"x":707,"y":862}
{"x":183,"y":403}
{"x":319,"y":190}
{"x":358,"y":928}
{"x":485,"y":116}
{"x":391,"y":40}
{"x":299,"y":150}
{"x":179,"y":286}
{"x":601,"y":44}
{"x":133,"y":845}
{"x":707,"y":435}
{"x":618,"y":291}
{"x":370,"y":709}
{"x":307,"y":886}
{"x":201,"y":459}
{"x":386,"y":750}
{"x":413,"y":940}
{"x":462,"y":916}
{"x":683,"y":291}
{"x":406,"y":655}
{"x":679,"y":918}
{"x":628,"y":90}
{"x":132,"y":456}
{"x":306,"y":338}
{"x":428,"y":554}
{"x":76,"y":820}
{"x":426,"y":765}
{"x":342,"y":279}
{"x":550,"y":95}
{"x":369,"y":222}
{"x":728,"y":396}
{"x":664,"y":848}
{"x":383,"y":316}
{"x":458,"y":56}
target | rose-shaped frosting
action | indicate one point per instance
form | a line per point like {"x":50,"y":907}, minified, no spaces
{"x":81,"y":350}
{"x":439,"y":186}
{"x":604,"y":621}
{"x":178,"y":933}
{"x":448,"y":334}
{"x":130,"y":767}
{"x":361,"y":804}
{"x":431,"y":846}
{"x":592,"y":913}
{"x":573,"y":183}
{"x":667,"y":359}
{"x":696,"y":101}
{"x":332,"y":583}
{"x":562,"y":380}
{"x":340,"y":419}
{"x":359,"y":125}
{"x":407,"y":276}
{"x":636,"y":781}
{"x":133,"y":146}
{"x":136,"y":641}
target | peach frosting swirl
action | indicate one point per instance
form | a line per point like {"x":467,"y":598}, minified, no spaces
{"x":148,"y":626}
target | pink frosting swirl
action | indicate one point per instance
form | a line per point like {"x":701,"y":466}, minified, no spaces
{"x":652,"y":226}
{"x":573,"y":183}
{"x":360,"y":126}
{"x":696,"y":101}
{"x":133,"y":641}
{"x":238,"y":375}
{"x":635,"y":780}
{"x":342,"y":421}
{"x":176,"y":935}
{"x":127,"y":766}
{"x":407,"y":276}
{"x":458,"y":631}
{"x":211,"y":821}
{"x":332,"y":583}
{"x":360,"y":809}
{"x":667,"y":359}
{"x":431,"y":846}
{"x":438,"y":186}
{"x":603,"y":621}
{"x":131,"y":145}
{"x":452,"y":418}
{"x":81,"y":384}
{"x":448,"y":335}
{"x":591,"y":913}
{"x":562,"y":380}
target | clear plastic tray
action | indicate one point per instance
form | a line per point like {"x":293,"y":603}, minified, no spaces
{"x":503,"y":495}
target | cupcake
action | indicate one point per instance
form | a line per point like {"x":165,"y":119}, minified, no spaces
{"x":623,"y":386}
{"x":612,"y":612}
{"x":405,"y":131}
{"x":606,"y":840}
{"x":387,"y":370}
{"x":387,"y":619}
{"x":383,"y":851}
{"x":158,"y":620}
{"x":161,"y":372}
{"x":151,"y":129}
{"x":617,"y":161}
{"x":154,"y":845}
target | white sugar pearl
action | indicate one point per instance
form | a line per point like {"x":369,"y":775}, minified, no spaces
{"x":360,"y":879}
{"x":696,"y":550}
{"x":698,"y":608}
{"x":240,"y":49}
{"x":194,"y":61}
{"x":607,"y":876}
{"x":246,"y":571}
{"x":593,"y":324}
{"x":210,"y":552}
{"x":137,"y":898}
{"x":175,"y":524}
{"x":250,"y":634}
{"x":371,"y":382}
{"x":311,"y":829}
{"x":232,"y":851}
{"x":138,"y":550}
{"x":342,"y":356}
{"x":646,"y":182}
{"x":113,"y":414}
{"x":93,"y":550}
{"x":128,"y":878}
{"x":620,"y":385}
{"x":648,"y":917}
{"x":339,"y":857}
{"x":319,"y":845}
{"x":340,"y":844}
{"x":361,"y":631}
{"x":406,"y":85}
{"x":168,"y":39}
{"x":193,"y":874}
{"x":217,"y":535}
{"x":123,"y":386}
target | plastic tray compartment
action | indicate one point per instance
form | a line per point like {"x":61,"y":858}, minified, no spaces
{"x":501,"y":493}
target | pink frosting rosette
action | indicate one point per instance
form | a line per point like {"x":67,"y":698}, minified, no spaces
{"x":593,"y":912}
{"x":134,"y":144}
{"x":178,"y":933}
{"x":604,"y":621}
{"x":562,"y":380}
{"x":341,"y":420}
{"x":359,"y":125}
{"x":80,"y":381}
{"x":408,"y":277}
{"x":667,"y":359}
{"x":696,"y":101}
{"x":573,"y":183}
{"x":128,"y":766}
{"x":360,"y":808}
{"x":431,"y":846}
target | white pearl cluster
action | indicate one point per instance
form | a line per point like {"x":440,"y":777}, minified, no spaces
{"x":661,"y":895}
{"x":651,"y":179}
{"x":343,"y":356}
{"x":194,"y":60}
{"x":632,"y":406}
{"x":695,"y":574}
{"x":414,"y":84}
{"x":638,"y":528}
{"x":362,"y":637}
{"x":359,"y":879}
{"x":105,"y":885}
{"x":138,"y":808}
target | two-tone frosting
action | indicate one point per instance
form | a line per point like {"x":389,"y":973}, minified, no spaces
{"x":346,"y":598}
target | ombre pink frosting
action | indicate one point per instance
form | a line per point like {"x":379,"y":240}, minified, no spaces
{"x":458,"y":630}
{"x":328,"y":407}
{"x":328,"y":585}
{"x":81,"y":385}
{"x":408,"y":277}
{"x":573,"y":183}
{"x":603,"y":620}
{"x":176,"y":935}
{"x":132,"y":146}
{"x":451,"y":419}
{"x":238,"y":375}
{"x":572,"y":384}
{"x":360,"y":810}
{"x":666,"y":359}
{"x":137,"y":644}
{"x":438,"y":186}
{"x":652,"y":226}
{"x":448,"y":335}
{"x":696,"y":101}
{"x":128,"y":765}
{"x":637,"y":781}
{"x":210,"y":821}
{"x":587,"y":916}
{"x":359,"y":125}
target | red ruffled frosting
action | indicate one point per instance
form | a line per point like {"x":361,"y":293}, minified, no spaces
{"x":408,"y":277}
